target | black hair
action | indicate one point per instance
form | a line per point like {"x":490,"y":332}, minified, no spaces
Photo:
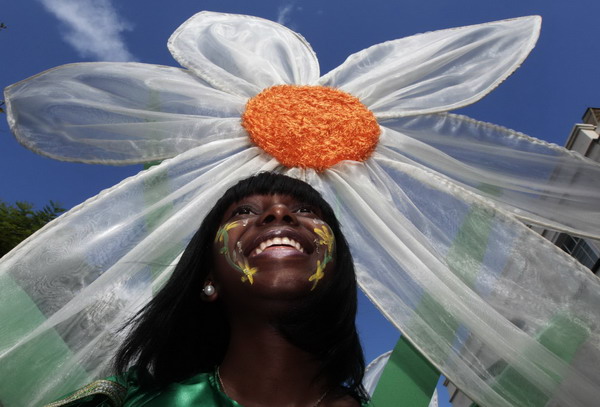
{"x":161,"y":342}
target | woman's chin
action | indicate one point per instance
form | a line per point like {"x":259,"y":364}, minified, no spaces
{"x":284,"y":284}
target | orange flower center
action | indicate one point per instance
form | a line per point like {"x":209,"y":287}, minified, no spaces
{"x":311,"y":126}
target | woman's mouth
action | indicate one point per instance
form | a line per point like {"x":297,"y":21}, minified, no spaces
{"x":282,"y":239}
{"x":275,"y":243}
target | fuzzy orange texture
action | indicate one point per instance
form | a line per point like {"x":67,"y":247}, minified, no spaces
{"x":311,"y":126}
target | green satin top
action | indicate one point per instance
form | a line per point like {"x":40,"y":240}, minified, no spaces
{"x":201,"y":390}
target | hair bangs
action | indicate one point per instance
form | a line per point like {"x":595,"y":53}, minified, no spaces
{"x":267,"y":183}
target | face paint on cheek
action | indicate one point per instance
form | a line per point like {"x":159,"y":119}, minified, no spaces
{"x":222,"y":236}
{"x":238,"y":250}
{"x":326,"y":241}
{"x":240,"y":265}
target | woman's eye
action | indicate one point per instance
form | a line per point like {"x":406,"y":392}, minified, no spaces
{"x":305,"y":209}
{"x":242,"y":210}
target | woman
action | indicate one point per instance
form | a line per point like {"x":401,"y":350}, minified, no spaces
{"x":260,"y":310}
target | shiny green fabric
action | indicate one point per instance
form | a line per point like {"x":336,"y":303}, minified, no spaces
{"x":201,"y":390}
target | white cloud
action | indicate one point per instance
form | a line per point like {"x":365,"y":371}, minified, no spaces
{"x":283,"y":13}
{"x":92,"y":27}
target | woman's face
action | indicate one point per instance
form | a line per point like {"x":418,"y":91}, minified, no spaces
{"x":273,"y":244}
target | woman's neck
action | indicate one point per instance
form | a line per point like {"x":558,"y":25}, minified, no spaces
{"x":261,"y":368}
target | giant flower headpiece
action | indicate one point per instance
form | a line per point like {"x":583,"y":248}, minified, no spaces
{"x":432,"y":203}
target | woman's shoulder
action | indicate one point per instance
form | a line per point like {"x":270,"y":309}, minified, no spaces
{"x":342,"y":397}
{"x":112,"y":391}
{"x":108,"y":392}
{"x":133,"y":389}
{"x":346,"y":401}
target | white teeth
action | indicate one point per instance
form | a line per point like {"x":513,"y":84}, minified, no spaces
{"x":278,"y":241}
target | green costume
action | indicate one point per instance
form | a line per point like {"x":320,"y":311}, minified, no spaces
{"x":201,"y":390}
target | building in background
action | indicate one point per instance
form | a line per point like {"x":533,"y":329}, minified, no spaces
{"x":585,"y":139}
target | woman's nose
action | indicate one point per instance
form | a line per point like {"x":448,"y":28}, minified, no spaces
{"x":278,"y":213}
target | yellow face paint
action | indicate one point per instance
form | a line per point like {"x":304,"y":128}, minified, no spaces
{"x":326,"y":237}
{"x":327,"y":241}
{"x":248,"y":271}
{"x":222,"y":235}
{"x":243,"y":267}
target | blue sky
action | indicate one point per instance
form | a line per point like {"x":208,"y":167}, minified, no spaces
{"x":543,"y":99}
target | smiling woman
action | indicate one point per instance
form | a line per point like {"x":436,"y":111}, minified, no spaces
{"x":432,"y":205}
{"x":263,"y":298}
{"x":277,"y":233}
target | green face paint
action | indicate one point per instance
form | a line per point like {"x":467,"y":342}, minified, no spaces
{"x":327,"y":242}
{"x":240,"y":265}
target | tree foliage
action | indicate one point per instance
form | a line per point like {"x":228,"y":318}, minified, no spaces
{"x":20,"y":220}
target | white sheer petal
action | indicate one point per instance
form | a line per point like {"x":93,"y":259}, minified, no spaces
{"x":436,"y":71}
{"x":119,"y":113}
{"x":469,"y":286}
{"x":541,"y":183}
{"x":242,"y":55}
{"x":374,"y":370}
{"x":68,"y":288}
{"x":373,"y":373}
{"x":508,"y":317}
